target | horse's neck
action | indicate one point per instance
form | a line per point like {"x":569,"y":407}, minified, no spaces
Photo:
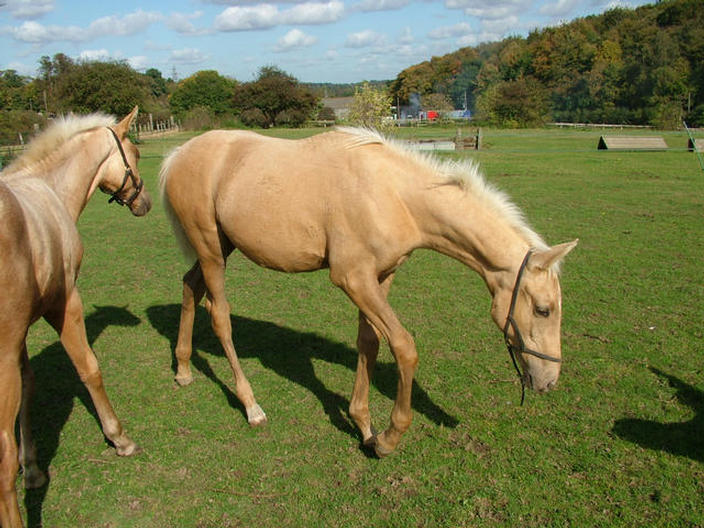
{"x":458,"y":225}
{"x":73,"y":177}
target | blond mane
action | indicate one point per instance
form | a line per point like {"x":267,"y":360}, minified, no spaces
{"x":464,"y":174}
{"x":56,"y":135}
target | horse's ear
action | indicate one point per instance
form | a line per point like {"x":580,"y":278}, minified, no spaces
{"x":543,"y":260}
{"x":123,"y":127}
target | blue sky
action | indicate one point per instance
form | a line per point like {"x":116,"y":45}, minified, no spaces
{"x":314,"y":40}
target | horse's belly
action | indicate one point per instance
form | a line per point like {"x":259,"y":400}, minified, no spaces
{"x":284,"y":247}
{"x":284,"y":259}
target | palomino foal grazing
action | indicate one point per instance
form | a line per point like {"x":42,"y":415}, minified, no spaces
{"x":358,"y":204}
{"x":42,"y":195}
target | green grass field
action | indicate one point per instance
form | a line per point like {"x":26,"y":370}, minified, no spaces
{"x":620,"y":443}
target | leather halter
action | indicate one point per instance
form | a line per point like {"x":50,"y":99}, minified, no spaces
{"x":129,"y":174}
{"x":511,"y":323}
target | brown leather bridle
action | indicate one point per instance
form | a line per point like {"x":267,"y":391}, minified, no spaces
{"x":511,"y":323}
{"x":129,"y":174}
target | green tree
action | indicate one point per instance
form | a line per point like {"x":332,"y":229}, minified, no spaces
{"x":519,"y":103}
{"x":157,"y":82}
{"x":438,"y":102}
{"x":50,"y":71}
{"x":110,"y":87}
{"x":275,"y":98}
{"x":371,"y":107}
{"x":207,"y":89}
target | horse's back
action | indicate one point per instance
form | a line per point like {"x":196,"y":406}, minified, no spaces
{"x":288,"y":204}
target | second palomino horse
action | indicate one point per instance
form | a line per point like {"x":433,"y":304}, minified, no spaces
{"x":358,"y":204}
{"x":42,"y":195}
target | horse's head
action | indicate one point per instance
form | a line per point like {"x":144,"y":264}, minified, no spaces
{"x":528,"y":307}
{"x":120,"y":176}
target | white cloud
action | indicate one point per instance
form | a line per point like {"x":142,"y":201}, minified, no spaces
{"x":129,"y":24}
{"x":406,"y":36}
{"x":445,"y":32}
{"x":182,"y":23}
{"x":380,"y":5}
{"x":294,"y":39}
{"x":314,"y":13}
{"x":37,"y":33}
{"x":94,"y":55}
{"x":28,"y":9}
{"x":364,"y":39}
{"x":489,"y":9}
{"x":500,"y":27}
{"x":247,"y":18}
{"x":139,"y":62}
{"x":21,"y":68}
{"x":188,"y":56}
{"x":263,"y":16}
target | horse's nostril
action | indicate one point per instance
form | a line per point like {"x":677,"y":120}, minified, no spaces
{"x":550,"y":385}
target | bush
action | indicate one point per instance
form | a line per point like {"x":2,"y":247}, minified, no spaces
{"x":254,"y":117}
{"x":292,"y":117}
{"x":199,"y":118}
{"x":327,"y":114}
{"x":15,"y":122}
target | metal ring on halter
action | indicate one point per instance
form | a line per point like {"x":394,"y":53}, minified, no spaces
{"x":511,"y":323}
{"x":137,"y":185}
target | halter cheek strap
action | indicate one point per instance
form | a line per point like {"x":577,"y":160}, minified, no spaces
{"x":129,"y":174}
{"x":511,"y":323}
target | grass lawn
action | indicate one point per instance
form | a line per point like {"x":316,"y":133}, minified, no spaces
{"x":619,"y":443}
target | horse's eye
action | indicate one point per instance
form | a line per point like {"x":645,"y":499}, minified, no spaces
{"x":542,"y":312}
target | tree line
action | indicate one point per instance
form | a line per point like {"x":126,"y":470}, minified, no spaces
{"x":203,"y":100}
{"x":641,"y":66}
{"x":630,"y":66}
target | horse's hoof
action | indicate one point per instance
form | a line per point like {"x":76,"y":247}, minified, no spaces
{"x":381,"y":447}
{"x":370,"y":441}
{"x":256,"y":416}
{"x":382,"y":451}
{"x":129,"y":450}
{"x":184,"y":380}
{"x":34,"y":478}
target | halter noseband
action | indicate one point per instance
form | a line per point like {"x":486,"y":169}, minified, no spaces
{"x":511,"y":323}
{"x":137,"y":185}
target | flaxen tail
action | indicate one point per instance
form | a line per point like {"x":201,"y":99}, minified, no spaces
{"x":186,"y":248}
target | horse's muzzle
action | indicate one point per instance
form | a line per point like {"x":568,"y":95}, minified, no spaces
{"x":142,"y":204}
{"x":540,"y":385}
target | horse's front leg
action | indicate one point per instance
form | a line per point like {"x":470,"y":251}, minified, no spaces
{"x":33,"y":476}
{"x":363,"y":288}
{"x":193,"y":291}
{"x":71,"y":328}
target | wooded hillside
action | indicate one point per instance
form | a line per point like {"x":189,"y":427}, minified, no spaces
{"x":642,"y":66}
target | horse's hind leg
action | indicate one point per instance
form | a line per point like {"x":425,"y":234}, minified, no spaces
{"x":33,"y":476}
{"x":10,"y":394}
{"x":368,"y":339}
{"x":193,"y":290}
{"x":214,"y":274}
{"x":71,"y":327}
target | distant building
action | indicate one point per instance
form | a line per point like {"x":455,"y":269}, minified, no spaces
{"x":340,"y":105}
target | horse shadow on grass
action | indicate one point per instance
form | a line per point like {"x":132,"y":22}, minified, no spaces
{"x":683,"y":438}
{"x":290,"y":354}
{"x":57,"y":386}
